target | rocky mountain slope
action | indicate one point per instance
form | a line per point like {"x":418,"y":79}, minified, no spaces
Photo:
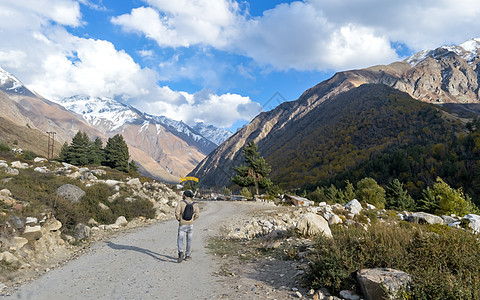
{"x":34,"y":115}
{"x":449,"y":74}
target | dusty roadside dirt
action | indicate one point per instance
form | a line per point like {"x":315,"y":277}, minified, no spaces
{"x":141,"y":264}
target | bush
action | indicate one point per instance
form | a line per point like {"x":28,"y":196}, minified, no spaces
{"x":245,"y":192}
{"x":442,"y":263}
{"x":4,"y":147}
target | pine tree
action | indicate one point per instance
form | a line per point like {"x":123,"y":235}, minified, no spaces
{"x":398,"y":198}
{"x":64,"y":151}
{"x":96,"y":153}
{"x":255,"y":172}
{"x":78,"y":150}
{"x":116,"y":153}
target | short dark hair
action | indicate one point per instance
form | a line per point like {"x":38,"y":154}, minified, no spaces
{"x":188,"y":193}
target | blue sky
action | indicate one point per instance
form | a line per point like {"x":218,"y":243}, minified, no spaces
{"x":217,"y":61}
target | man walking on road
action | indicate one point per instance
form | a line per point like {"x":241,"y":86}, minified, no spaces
{"x":186,"y":213}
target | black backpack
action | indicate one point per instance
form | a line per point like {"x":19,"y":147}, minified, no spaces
{"x":188,"y":211}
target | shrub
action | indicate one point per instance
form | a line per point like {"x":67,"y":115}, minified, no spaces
{"x":226,"y":191}
{"x":441,"y":263}
{"x":370,"y":192}
{"x":246,"y":193}
{"x":4,"y":147}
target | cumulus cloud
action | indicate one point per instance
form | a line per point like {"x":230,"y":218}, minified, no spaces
{"x":310,"y":34}
{"x":208,"y":107}
{"x":181,"y":23}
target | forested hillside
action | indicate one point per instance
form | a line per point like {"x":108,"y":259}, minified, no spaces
{"x":351,"y":129}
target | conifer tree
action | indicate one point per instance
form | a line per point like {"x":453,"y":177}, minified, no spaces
{"x":63,"y":156}
{"x":96,"y":153}
{"x":398,"y":198}
{"x":116,"y":153}
{"x":78,"y":150}
{"x":255,"y":172}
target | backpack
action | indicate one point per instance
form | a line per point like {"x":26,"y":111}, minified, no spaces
{"x":188,"y":211}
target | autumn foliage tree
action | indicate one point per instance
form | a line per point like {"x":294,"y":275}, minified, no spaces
{"x":255,"y":172}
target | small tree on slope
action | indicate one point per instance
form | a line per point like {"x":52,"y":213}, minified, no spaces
{"x":255,"y":172}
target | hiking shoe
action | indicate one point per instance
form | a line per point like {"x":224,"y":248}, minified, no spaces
{"x":180,"y":257}
{"x":188,"y":258}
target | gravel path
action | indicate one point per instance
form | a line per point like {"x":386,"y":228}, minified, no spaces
{"x":139,"y":265}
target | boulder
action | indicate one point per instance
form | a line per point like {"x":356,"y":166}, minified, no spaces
{"x":354,"y":207}
{"x":135,"y":182}
{"x":99,"y":172}
{"x":382,"y":283}
{"x":51,"y":225}
{"x":31,"y":221}
{"x":111,"y":182}
{"x":81,"y":231}
{"x":40,"y":160}
{"x":17,"y":222}
{"x":424,"y":218}
{"x":43,"y":170}
{"x":18,"y":165}
{"x":3,"y":165}
{"x":8,"y":257}
{"x":19,"y":242}
{"x":12,"y":171}
{"x":71,"y":192}
{"x":473,"y":221}
{"x":32,"y":233}
{"x":449,"y":219}
{"x":333,"y":219}
{"x":311,"y":224}
{"x":121,"y":221}
{"x":103,"y":206}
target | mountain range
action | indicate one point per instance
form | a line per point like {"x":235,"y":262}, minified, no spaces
{"x":290,"y":134}
{"x":162,"y":147}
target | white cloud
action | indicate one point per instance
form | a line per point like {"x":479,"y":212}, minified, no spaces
{"x":310,"y":34}
{"x":219,"y":110}
{"x":181,"y":23}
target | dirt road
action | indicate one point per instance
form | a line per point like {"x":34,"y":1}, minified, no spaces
{"x":141,"y":264}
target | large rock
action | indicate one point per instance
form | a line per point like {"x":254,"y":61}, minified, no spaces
{"x":8,"y":257}
{"x":121,"y":221}
{"x":383,"y":283}
{"x":311,"y":224}
{"x":71,"y":192}
{"x":473,"y":222}
{"x":32,"y":233}
{"x":17,"y":222}
{"x":135,"y":182}
{"x":424,"y":218}
{"x":81,"y":231}
{"x":40,"y":160}
{"x":12,"y":171}
{"x":354,"y":207}
{"x":17,"y":164}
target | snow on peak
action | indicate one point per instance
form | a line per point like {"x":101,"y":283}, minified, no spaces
{"x":214,"y":134}
{"x":469,"y":50}
{"x":8,"y":82}
{"x":96,"y":110}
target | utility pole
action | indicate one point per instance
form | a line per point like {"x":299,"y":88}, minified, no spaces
{"x":51,"y":143}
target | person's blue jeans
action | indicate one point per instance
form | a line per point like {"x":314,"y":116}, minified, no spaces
{"x":185,"y":231}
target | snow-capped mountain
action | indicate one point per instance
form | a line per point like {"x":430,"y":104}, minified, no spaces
{"x":110,"y":115}
{"x":101,"y":112}
{"x":214,"y":134}
{"x":469,"y":51}
{"x":10,"y":84}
